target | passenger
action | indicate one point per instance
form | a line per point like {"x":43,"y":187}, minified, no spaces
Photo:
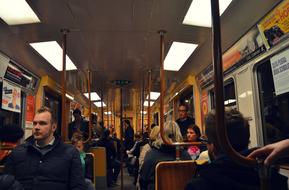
{"x":128,"y":135}
{"x":86,"y":161}
{"x":78,"y":125}
{"x":160,"y":152}
{"x":223,"y":173}
{"x":10,"y":135}
{"x":153,"y":136}
{"x":272,"y":152}
{"x":184,"y":121}
{"x":8,"y":182}
{"x":113,"y":165}
{"x":44,"y":162}
{"x":193,"y":135}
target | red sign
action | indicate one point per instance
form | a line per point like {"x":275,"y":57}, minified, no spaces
{"x":30,"y":108}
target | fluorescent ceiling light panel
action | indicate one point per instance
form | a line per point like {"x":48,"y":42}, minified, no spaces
{"x":15,"y":12}
{"x":146,"y":103}
{"x":154,"y":95}
{"x":199,"y":13}
{"x":93,"y":95}
{"x":107,"y":113}
{"x":143,"y":112}
{"x":52,"y":52}
{"x":70,"y":97}
{"x":98,"y":104}
{"x":178,"y":54}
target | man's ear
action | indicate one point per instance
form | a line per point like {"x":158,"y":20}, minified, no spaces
{"x":54,"y":126}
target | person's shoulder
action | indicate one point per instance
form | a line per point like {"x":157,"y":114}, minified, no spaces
{"x":198,"y":183}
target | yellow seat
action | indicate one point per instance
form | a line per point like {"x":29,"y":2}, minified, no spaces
{"x":174,"y":175}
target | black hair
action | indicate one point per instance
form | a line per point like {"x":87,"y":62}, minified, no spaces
{"x":196,"y":129}
{"x":237,"y":129}
{"x":105,"y":133}
{"x":11,"y":133}
{"x":77,"y":111}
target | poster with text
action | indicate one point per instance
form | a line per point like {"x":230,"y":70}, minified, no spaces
{"x":280,"y":72}
{"x":11,"y":97}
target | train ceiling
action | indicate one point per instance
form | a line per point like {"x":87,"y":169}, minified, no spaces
{"x":118,"y":39}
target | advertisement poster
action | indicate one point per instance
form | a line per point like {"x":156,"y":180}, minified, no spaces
{"x":204,"y":106}
{"x":11,"y":97}
{"x":30,"y":111}
{"x":280,"y":72}
{"x":275,"y":26}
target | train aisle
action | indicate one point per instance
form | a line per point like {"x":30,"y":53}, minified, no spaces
{"x":127,"y":182}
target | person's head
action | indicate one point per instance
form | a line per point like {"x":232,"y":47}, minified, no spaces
{"x":137,"y":135}
{"x":171,"y":134}
{"x":105,"y":134}
{"x":126,"y":123}
{"x":77,"y":115}
{"x":193,"y":133}
{"x":11,"y":133}
{"x":237,"y":130}
{"x":183,"y":111}
{"x":153,"y":125}
{"x":44,"y":126}
{"x":154,"y":133}
{"x":77,"y":141}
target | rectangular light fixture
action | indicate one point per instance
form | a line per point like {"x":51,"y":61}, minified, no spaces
{"x":229,"y":101}
{"x":52,"y":52}
{"x":107,"y":112}
{"x":154,"y":95}
{"x":69,"y":97}
{"x":93,"y":95}
{"x":98,"y":104}
{"x":199,"y":13}
{"x":15,"y":12}
{"x":146,"y":103}
{"x":178,"y":54}
{"x":143,"y":112}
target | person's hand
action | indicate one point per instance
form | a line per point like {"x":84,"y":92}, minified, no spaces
{"x":272,"y":152}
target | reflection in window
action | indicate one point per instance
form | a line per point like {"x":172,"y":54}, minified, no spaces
{"x":274,"y":109}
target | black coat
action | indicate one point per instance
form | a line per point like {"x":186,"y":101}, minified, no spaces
{"x":8,"y":182}
{"x":58,"y":169}
{"x":152,"y":158}
{"x":184,"y":124}
{"x":225,"y":174}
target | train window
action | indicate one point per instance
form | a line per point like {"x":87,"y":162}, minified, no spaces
{"x":229,"y":95}
{"x":274,"y":109}
{"x":187,"y":97}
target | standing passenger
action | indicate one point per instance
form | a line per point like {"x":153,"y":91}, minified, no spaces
{"x":128,"y":135}
{"x":184,"y":121}
{"x":78,"y":125}
{"x":44,"y":162}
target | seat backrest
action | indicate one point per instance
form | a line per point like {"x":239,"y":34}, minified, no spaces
{"x":99,"y":166}
{"x":174,"y":175}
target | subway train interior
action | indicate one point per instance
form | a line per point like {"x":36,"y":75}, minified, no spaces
{"x":139,"y":61}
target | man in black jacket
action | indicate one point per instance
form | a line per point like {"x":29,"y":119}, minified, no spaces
{"x":223,"y":173}
{"x":44,"y":162}
{"x":184,"y":121}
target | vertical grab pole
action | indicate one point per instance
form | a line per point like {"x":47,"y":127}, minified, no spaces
{"x":121,"y":138}
{"x":218,"y":82}
{"x":142,"y":107}
{"x":149,"y":100}
{"x":89,"y":108}
{"x":63,"y":89}
{"x":107,"y":112}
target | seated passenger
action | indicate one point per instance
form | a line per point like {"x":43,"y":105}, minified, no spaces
{"x":113,"y":165}
{"x":10,"y":135}
{"x":193,"y":135}
{"x":223,"y":173}
{"x":86,"y":161}
{"x":161,"y":152}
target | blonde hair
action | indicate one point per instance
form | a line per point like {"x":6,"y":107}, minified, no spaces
{"x":171,"y":134}
{"x":154,"y":133}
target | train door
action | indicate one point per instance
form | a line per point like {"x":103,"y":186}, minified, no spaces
{"x":246,"y":102}
{"x":274,"y":105}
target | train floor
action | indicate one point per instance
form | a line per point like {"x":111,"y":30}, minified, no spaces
{"x":127,"y":182}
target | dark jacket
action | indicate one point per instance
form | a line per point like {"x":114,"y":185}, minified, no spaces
{"x":183,"y":124}
{"x":58,"y":169}
{"x":108,"y":144}
{"x":128,"y":138}
{"x":152,"y":158}
{"x":8,"y":182}
{"x":225,"y":174}
{"x":84,"y":128}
